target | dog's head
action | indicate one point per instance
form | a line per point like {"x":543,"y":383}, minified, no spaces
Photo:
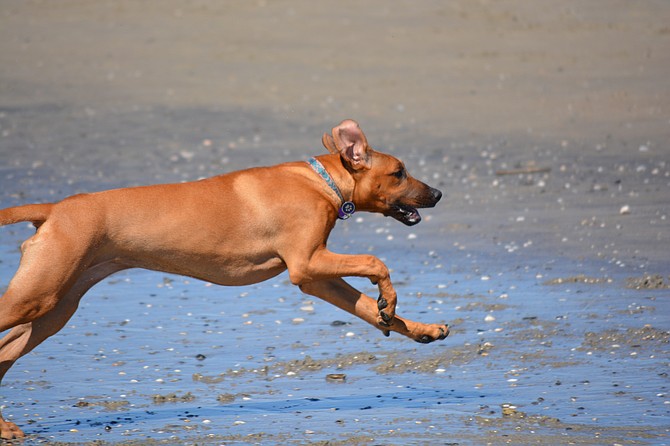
{"x":383,"y":184}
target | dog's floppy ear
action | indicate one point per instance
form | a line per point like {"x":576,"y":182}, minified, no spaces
{"x":329,"y":143}
{"x":351,"y":144}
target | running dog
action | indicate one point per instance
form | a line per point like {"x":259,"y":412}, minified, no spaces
{"x":239,"y":228}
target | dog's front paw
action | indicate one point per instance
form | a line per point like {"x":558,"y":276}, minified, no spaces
{"x":433,"y":333}
{"x":386,"y":314}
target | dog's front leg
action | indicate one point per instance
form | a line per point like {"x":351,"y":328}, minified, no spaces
{"x":344,"y":296}
{"x":324,"y":265}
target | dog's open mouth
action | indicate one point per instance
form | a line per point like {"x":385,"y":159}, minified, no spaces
{"x":405,"y":214}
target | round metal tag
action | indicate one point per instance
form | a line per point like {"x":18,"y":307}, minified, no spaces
{"x":346,"y":210}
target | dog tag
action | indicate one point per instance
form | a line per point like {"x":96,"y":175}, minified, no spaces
{"x":346,"y":210}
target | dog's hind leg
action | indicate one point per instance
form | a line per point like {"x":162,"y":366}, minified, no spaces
{"x":51,"y":261}
{"x":25,"y":337}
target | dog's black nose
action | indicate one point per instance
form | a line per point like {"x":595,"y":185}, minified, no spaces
{"x":436,"y":194}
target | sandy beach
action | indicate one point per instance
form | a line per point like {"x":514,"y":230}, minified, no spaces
{"x":545,"y":124}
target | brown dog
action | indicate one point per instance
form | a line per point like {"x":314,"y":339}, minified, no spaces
{"x":235,"y":229}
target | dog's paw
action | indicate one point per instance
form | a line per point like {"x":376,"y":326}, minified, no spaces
{"x":9,"y":431}
{"x":385,"y":319}
{"x":439,"y":332}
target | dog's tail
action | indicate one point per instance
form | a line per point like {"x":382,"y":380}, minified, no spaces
{"x":35,"y":213}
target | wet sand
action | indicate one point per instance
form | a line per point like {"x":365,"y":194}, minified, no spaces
{"x":546,"y":125}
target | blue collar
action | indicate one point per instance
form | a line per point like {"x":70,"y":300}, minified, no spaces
{"x":347,"y":208}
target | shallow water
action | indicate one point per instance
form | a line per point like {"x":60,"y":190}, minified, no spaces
{"x":250,"y":364}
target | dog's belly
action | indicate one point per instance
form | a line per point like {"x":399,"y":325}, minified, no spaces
{"x":230,"y":271}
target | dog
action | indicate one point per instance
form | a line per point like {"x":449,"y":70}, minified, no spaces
{"x":237,"y":228}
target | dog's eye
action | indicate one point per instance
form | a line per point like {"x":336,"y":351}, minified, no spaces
{"x":399,"y":174}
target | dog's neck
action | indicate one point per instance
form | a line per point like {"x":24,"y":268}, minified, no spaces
{"x":347,"y":208}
